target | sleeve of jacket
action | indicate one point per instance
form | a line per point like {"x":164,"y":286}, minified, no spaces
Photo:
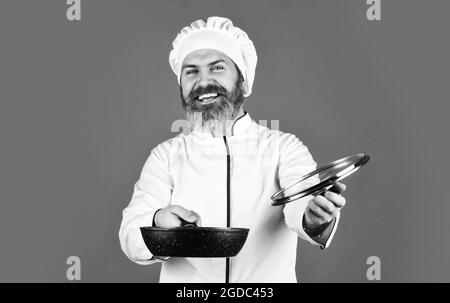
{"x":296,"y":161}
{"x":152,"y":191}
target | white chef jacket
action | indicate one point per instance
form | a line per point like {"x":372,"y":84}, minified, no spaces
{"x":191,"y":171}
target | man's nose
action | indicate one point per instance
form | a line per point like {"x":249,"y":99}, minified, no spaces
{"x":204,"y":78}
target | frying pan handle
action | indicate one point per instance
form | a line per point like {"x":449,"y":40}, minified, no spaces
{"x":333,"y":189}
{"x":187,"y":224}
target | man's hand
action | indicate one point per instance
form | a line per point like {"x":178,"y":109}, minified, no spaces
{"x":175,"y":215}
{"x":322,"y":209}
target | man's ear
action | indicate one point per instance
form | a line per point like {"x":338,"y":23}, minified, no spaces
{"x":240,"y":76}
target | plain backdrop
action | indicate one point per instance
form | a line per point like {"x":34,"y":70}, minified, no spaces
{"x":84,"y":102}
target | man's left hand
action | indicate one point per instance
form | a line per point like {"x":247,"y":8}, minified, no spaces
{"x":322,"y":209}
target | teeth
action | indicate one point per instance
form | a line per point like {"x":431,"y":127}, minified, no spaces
{"x":205,"y":96}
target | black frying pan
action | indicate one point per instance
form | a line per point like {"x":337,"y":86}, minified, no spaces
{"x":192,"y":241}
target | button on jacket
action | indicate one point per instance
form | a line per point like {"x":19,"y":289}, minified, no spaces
{"x":191,"y":171}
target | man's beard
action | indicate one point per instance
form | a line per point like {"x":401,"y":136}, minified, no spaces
{"x":215,"y":114}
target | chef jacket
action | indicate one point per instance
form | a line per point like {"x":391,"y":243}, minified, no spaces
{"x":191,"y":170}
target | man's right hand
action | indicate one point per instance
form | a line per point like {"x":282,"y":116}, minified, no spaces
{"x":175,"y":215}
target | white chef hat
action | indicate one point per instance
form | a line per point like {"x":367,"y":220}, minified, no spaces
{"x":216,"y":33}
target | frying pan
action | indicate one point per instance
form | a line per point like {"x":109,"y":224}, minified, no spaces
{"x":327,"y":175}
{"x":193,"y":241}
{"x":190,"y":240}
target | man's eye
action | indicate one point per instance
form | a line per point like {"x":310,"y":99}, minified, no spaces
{"x":217,"y":67}
{"x":191,"y":71}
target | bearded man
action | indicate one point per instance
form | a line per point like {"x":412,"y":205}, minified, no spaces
{"x":224,"y":172}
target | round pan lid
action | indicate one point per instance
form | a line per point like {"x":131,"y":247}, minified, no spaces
{"x":327,"y":175}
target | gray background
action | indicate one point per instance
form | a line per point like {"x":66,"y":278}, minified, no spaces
{"x":83,"y":103}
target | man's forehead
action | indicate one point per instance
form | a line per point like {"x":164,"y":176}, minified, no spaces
{"x":205,"y":56}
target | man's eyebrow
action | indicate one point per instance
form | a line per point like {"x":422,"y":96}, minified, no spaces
{"x":217,"y":61}
{"x":188,"y":66}
{"x":209,"y":64}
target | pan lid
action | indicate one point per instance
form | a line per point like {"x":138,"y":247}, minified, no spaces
{"x":322,"y":179}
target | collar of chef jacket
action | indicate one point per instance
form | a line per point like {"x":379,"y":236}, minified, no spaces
{"x":240,"y":126}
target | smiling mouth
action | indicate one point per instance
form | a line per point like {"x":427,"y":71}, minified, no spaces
{"x":208,"y":98}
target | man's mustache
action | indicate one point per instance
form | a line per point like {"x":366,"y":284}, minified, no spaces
{"x":209,"y":89}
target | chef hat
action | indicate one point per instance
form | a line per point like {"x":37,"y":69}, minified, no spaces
{"x":216,"y":33}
